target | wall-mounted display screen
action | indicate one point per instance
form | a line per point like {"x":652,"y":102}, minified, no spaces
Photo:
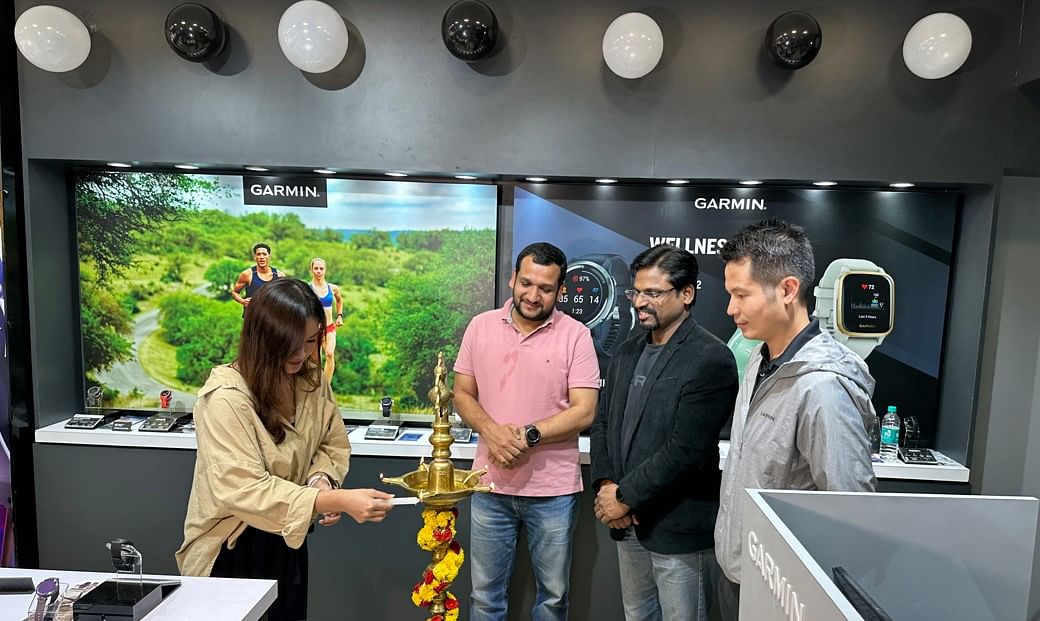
{"x":160,"y":256}
{"x":909,"y":234}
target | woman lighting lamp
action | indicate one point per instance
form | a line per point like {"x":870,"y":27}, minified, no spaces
{"x":271,"y":452}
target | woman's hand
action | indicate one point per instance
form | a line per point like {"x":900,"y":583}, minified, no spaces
{"x":364,"y":505}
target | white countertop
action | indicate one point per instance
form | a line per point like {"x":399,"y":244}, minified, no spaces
{"x":197,"y":599}
{"x":949,"y":471}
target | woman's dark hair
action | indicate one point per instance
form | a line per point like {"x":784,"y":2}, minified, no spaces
{"x":274,"y":329}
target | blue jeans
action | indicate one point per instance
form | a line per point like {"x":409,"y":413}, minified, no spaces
{"x":665,"y":587}
{"x":549,"y":522}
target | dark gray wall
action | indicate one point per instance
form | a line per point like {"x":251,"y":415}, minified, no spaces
{"x":546,"y":104}
{"x":88,"y":495}
{"x":1029,"y":47}
{"x":1008,"y":459}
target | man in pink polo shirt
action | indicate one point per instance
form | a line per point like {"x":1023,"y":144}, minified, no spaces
{"x":527,"y":381}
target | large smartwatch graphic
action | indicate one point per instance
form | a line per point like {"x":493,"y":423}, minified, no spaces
{"x":855,"y":302}
{"x":593,"y":292}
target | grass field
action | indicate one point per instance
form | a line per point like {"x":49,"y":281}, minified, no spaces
{"x":159,"y":360}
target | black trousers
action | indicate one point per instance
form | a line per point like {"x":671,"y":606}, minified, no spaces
{"x":260,"y":554}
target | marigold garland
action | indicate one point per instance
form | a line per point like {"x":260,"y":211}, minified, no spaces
{"x":438,"y":532}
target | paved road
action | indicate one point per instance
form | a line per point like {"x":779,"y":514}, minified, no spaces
{"x":125,"y":376}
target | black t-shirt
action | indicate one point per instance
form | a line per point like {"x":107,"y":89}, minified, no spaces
{"x":635,"y":390}
{"x":768,"y":367}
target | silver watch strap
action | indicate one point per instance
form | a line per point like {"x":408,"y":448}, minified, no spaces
{"x":825,"y":297}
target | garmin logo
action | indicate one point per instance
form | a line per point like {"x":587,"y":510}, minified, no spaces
{"x":282,"y":190}
{"x":778,"y":585}
{"x":730,"y":203}
{"x":693,"y":245}
{"x":285,"y":191}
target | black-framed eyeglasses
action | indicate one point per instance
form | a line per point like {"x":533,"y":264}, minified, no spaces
{"x":650,"y":294}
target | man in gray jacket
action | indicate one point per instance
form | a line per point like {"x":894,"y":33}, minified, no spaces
{"x":799,"y":420}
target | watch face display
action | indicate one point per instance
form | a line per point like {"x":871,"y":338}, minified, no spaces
{"x":865,"y":306}
{"x":47,"y":587}
{"x":587,"y":293}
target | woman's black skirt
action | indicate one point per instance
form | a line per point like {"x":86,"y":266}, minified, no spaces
{"x":260,"y":554}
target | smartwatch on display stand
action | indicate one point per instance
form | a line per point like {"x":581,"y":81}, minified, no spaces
{"x":386,"y":431}
{"x":46,"y":599}
{"x":94,"y":416}
{"x":128,"y":595}
{"x":855,"y":303}
{"x":593,"y":292}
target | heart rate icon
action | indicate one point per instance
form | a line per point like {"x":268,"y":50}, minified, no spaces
{"x":579,"y":289}
{"x":864,"y":286}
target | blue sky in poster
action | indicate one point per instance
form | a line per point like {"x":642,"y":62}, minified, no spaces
{"x":381,"y":205}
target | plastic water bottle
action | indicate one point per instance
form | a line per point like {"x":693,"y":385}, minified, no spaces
{"x":890,"y":435}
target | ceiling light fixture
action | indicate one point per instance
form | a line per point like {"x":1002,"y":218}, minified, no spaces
{"x":396,"y":174}
{"x":119,"y":165}
{"x":678,"y":181}
{"x":901,"y":184}
{"x":750,"y":182}
{"x":825,"y":184}
{"x":257,"y":168}
{"x":606,"y":180}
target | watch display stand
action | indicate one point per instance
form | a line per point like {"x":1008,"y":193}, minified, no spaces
{"x":460,"y":431}
{"x":94,"y":416}
{"x":128,"y":596}
{"x":387,"y":430}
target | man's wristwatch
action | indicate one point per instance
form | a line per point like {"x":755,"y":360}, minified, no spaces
{"x":593,"y":292}
{"x":532,"y":435}
{"x":855,"y":302}
{"x":617,"y":494}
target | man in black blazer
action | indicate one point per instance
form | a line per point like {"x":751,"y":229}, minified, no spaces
{"x":655,"y":454}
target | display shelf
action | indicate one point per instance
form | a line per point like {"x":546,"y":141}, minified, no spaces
{"x":197,"y":599}
{"x":948,"y":471}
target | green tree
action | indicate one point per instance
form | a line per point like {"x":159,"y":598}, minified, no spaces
{"x":106,"y":327}
{"x":373,"y":240}
{"x":114,"y":209}
{"x":421,"y":240}
{"x":222,"y":276}
{"x":204,"y":330}
{"x":426,"y":313}
{"x":353,"y":367}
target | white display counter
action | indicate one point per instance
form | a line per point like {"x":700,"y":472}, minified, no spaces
{"x":197,"y":599}
{"x":948,"y":471}
{"x":918,"y":556}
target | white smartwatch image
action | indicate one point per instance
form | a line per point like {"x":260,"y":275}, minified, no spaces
{"x":855,"y":303}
